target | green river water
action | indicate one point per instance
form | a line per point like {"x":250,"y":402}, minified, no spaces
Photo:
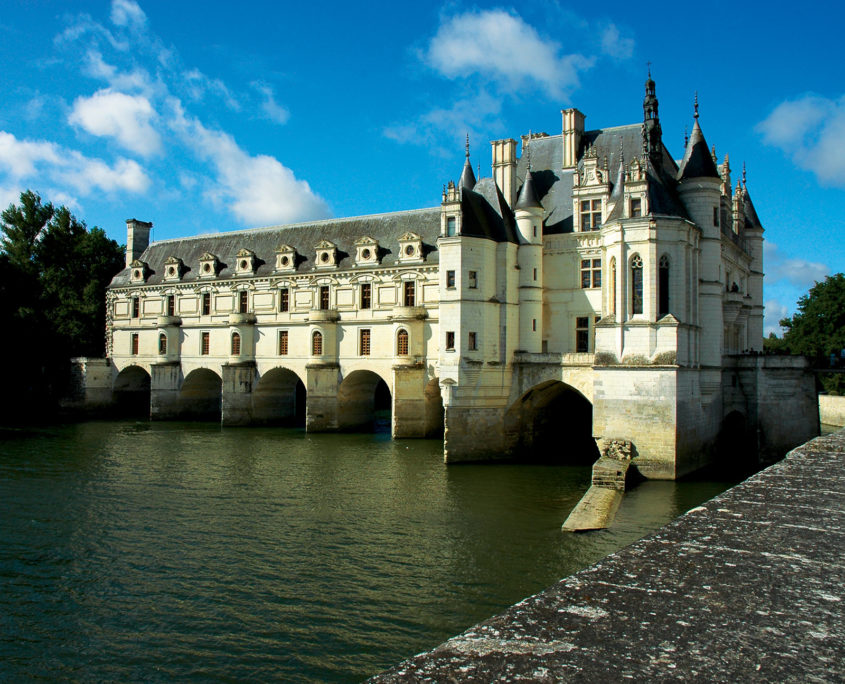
{"x":136,"y":551}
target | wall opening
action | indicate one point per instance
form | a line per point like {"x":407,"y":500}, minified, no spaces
{"x":200,"y":397}
{"x":279,"y":399}
{"x":364,"y":403}
{"x":552,"y":423}
{"x":736,"y":448}
{"x":131,"y":392}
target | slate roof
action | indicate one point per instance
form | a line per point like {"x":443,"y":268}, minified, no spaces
{"x":486,"y":214}
{"x":697,"y":161}
{"x":385,"y":228}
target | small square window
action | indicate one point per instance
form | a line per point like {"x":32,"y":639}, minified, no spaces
{"x":582,"y":334}
{"x":450,"y":279}
{"x":473,"y":280}
{"x":450,"y":340}
{"x":636,"y":207}
{"x":472,"y":341}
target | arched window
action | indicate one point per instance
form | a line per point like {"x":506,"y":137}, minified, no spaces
{"x":236,"y":344}
{"x":162,"y":344}
{"x":612,"y":288}
{"x":317,"y":344}
{"x":402,"y":343}
{"x":663,"y":286}
{"x":636,"y":284}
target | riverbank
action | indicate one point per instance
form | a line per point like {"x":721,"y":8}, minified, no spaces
{"x":747,"y":586}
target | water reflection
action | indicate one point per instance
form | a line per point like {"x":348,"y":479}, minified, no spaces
{"x":186,"y":551}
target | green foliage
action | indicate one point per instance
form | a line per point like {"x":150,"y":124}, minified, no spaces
{"x":53,"y":277}
{"x":817,"y":330}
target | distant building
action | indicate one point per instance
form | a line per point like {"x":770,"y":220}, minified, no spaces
{"x":593,"y":287}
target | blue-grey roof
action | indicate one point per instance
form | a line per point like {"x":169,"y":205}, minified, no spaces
{"x":697,"y":161}
{"x":384,"y":228}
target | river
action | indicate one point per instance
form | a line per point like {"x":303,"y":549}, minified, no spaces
{"x":139,"y":551}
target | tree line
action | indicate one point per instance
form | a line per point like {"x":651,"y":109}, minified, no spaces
{"x":54,"y":271}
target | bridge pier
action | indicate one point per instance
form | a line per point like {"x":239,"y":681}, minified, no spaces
{"x":236,"y":395}
{"x":322,"y":382}
{"x":408,"y":409}
{"x":165,"y":385}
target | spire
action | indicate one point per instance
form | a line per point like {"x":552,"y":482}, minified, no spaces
{"x":743,"y":175}
{"x":467,"y":176}
{"x":697,"y":161}
{"x":527,"y":195}
{"x":695,"y":105}
{"x":652,"y":142}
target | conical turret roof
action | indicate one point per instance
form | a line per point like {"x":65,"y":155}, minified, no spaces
{"x":697,"y":161}
{"x":527,"y":195}
{"x":467,"y":180}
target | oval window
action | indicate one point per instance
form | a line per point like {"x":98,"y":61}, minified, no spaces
{"x":324,"y":257}
{"x":409,"y":250}
{"x":285,"y":261}
{"x":206,"y":268}
{"x":171,"y":271}
{"x":365,"y":254}
{"x":137,"y":274}
{"x":243,"y":264}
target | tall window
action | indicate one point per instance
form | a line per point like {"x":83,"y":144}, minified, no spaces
{"x":582,"y":334}
{"x":205,"y":345}
{"x":162,"y":344}
{"x":636,"y":284}
{"x":473,"y":280}
{"x":324,"y":297}
{"x":715,"y":216}
{"x":134,"y":347}
{"x":590,"y":214}
{"x":451,"y":226}
{"x":171,"y":305}
{"x":590,"y":273}
{"x":410,"y":293}
{"x":663,"y":286}
{"x":317,"y":344}
{"x":136,"y":307}
{"x":366,"y":296}
{"x":450,"y":279}
{"x":206,"y":303}
{"x":612,"y":288}
{"x":450,"y":341}
{"x":472,"y":341}
{"x":242,"y":301}
{"x":236,"y":344}
{"x":283,"y":343}
{"x":284,"y":299}
{"x":402,"y":343}
{"x":364,"y":342}
{"x":636,"y":207}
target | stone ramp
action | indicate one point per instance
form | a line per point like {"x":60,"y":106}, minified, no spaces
{"x":749,"y":586}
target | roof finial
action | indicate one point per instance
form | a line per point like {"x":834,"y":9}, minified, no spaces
{"x":648,"y":64}
{"x":467,"y":152}
{"x":528,"y":150}
{"x":743,"y":174}
{"x":686,"y":137}
{"x":695,"y":115}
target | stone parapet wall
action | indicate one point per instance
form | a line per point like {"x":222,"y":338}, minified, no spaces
{"x":832,"y":410}
{"x":746,"y":587}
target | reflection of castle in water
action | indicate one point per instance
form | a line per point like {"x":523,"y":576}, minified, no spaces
{"x":592,"y":287}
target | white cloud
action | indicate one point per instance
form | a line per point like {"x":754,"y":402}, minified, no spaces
{"x":127,"y":118}
{"x":271,"y":109}
{"x":614,"y":45}
{"x":27,"y":159}
{"x":799,"y":272}
{"x":773,"y":313}
{"x":811,"y":131}
{"x":136,"y":80}
{"x":197,"y":85}
{"x":257,"y":189}
{"x":501,"y":47}
{"x":127,"y":13}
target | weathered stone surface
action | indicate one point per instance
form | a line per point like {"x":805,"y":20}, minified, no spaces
{"x":595,"y":510}
{"x":832,"y":410}
{"x":747,"y":587}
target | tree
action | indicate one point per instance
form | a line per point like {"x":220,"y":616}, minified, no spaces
{"x":817,"y":330}
{"x":53,"y":277}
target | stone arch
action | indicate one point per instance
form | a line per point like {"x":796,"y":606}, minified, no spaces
{"x":131,"y":392}
{"x":736,"y":447}
{"x":552,"y":423}
{"x":434,"y":410}
{"x":363,"y":402}
{"x":200,"y":396}
{"x":279,"y":398}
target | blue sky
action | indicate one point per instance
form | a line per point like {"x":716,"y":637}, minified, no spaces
{"x":214,"y":116}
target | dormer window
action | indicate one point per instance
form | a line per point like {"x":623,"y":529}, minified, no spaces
{"x":590,"y":214}
{"x":636,"y":207}
{"x":366,"y":251}
{"x":173,"y":268}
{"x":209,"y":265}
{"x":140,"y":271}
{"x":326,"y":254}
{"x":246,"y":262}
{"x":285,"y":258}
{"x":410,"y":248}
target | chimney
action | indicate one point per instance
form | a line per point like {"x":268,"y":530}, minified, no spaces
{"x":504,"y":168}
{"x":573,"y":129}
{"x":137,"y":239}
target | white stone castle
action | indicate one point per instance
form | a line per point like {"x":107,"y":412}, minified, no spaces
{"x":592,"y":289}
